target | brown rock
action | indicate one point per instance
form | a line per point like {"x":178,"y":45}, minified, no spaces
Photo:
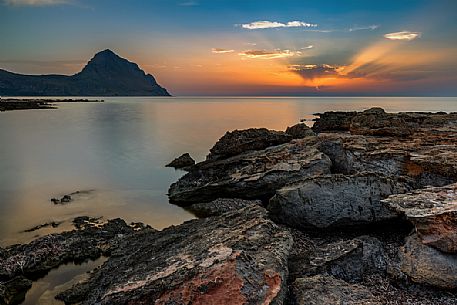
{"x":433,"y":211}
{"x":300,"y":131}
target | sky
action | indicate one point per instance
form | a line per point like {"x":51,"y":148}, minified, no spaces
{"x":245,"y":47}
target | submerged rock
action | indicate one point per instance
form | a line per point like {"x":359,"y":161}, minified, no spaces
{"x":220,"y":206}
{"x":327,"y":290}
{"x":250,"y":175}
{"x":427,"y":265}
{"x":36,"y":258}
{"x":300,"y":131}
{"x":183,"y":161}
{"x":335,"y":201}
{"x":239,"y":141}
{"x":237,"y":258}
{"x":433,"y":211}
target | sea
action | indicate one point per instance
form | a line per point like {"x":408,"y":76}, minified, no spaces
{"x":114,"y":153}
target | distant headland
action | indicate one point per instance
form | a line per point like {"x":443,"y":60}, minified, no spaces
{"x":106,"y":74}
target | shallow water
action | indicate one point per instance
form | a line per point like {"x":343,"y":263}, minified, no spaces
{"x":118,"y":149}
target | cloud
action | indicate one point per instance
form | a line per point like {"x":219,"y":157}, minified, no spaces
{"x":315,"y":71}
{"x":35,"y":2}
{"x":264,"y":54}
{"x":363,"y":28}
{"x":273,"y":24}
{"x":221,"y":51}
{"x":307,"y":47}
{"x":404,"y":35}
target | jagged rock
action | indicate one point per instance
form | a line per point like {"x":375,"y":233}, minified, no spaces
{"x":183,"y":161}
{"x":335,"y":201}
{"x":239,"y":141}
{"x":36,"y":258}
{"x":376,"y":122}
{"x":427,"y":265}
{"x":237,"y":258}
{"x":14,"y":290}
{"x":251,"y":175}
{"x":351,"y":260}
{"x":300,"y":131}
{"x":220,"y":206}
{"x":333,"y":121}
{"x":433,"y":211}
{"x":327,"y":290}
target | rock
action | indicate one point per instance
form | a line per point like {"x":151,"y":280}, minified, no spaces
{"x":433,"y":211}
{"x":250,"y":175}
{"x":427,"y":265}
{"x":333,"y":121}
{"x":239,"y":141}
{"x":71,"y":197}
{"x":300,"y":131}
{"x":327,"y":290}
{"x":335,"y":201}
{"x":13,"y":291}
{"x":220,"y":206}
{"x":351,"y":260}
{"x":237,"y":258}
{"x":183,"y":161}
{"x":36,"y":258}
{"x":53,"y":224}
{"x":376,"y":122}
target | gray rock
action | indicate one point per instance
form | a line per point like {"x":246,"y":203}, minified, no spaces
{"x":433,"y":211}
{"x":251,"y":175}
{"x":184,"y":161}
{"x":426,"y":265}
{"x":327,"y":290}
{"x":237,"y":258}
{"x":239,"y":141}
{"x":220,"y":206}
{"x":335,"y":201}
{"x":300,"y":131}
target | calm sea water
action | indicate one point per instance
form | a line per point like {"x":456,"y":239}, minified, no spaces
{"x":118,"y":150}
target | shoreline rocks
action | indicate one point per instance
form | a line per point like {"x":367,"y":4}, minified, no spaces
{"x":182,"y":162}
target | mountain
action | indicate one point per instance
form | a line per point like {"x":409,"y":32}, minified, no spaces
{"x":106,"y":74}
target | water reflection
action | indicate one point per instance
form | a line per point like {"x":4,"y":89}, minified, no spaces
{"x":119,"y":148}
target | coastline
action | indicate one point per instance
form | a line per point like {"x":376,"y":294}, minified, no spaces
{"x":316,"y":212}
{"x":10,"y":104}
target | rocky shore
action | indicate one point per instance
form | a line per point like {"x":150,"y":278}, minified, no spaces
{"x":10,"y":104}
{"x":359,"y":209}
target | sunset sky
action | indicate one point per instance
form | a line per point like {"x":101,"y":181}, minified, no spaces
{"x":245,"y":47}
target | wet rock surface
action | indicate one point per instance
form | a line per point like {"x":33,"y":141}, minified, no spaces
{"x":181,"y":162}
{"x":34,"y":260}
{"x":250,"y":175}
{"x":433,"y":211}
{"x":237,"y":258}
{"x":335,"y":201}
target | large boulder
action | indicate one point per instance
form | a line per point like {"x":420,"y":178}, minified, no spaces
{"x":427,"y":265}
{"x":327,"y":290}
{"x":237,"y":258}
{"x":335,"y":201}
{"x":251,"y":175}
{"x":239,"y":141}
{"x":433,"y":211}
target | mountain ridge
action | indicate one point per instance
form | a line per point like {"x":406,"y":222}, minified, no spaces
{"x":105,"y":74}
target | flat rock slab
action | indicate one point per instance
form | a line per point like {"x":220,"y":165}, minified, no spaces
{"x":427,"y":265}
{"x":250,"y":175}
{"x":335,"y":201}
{"x":433,"y":211}
{"x":327,"y":290}
{"x":237,"y":258}
{"x":220,"y":206}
